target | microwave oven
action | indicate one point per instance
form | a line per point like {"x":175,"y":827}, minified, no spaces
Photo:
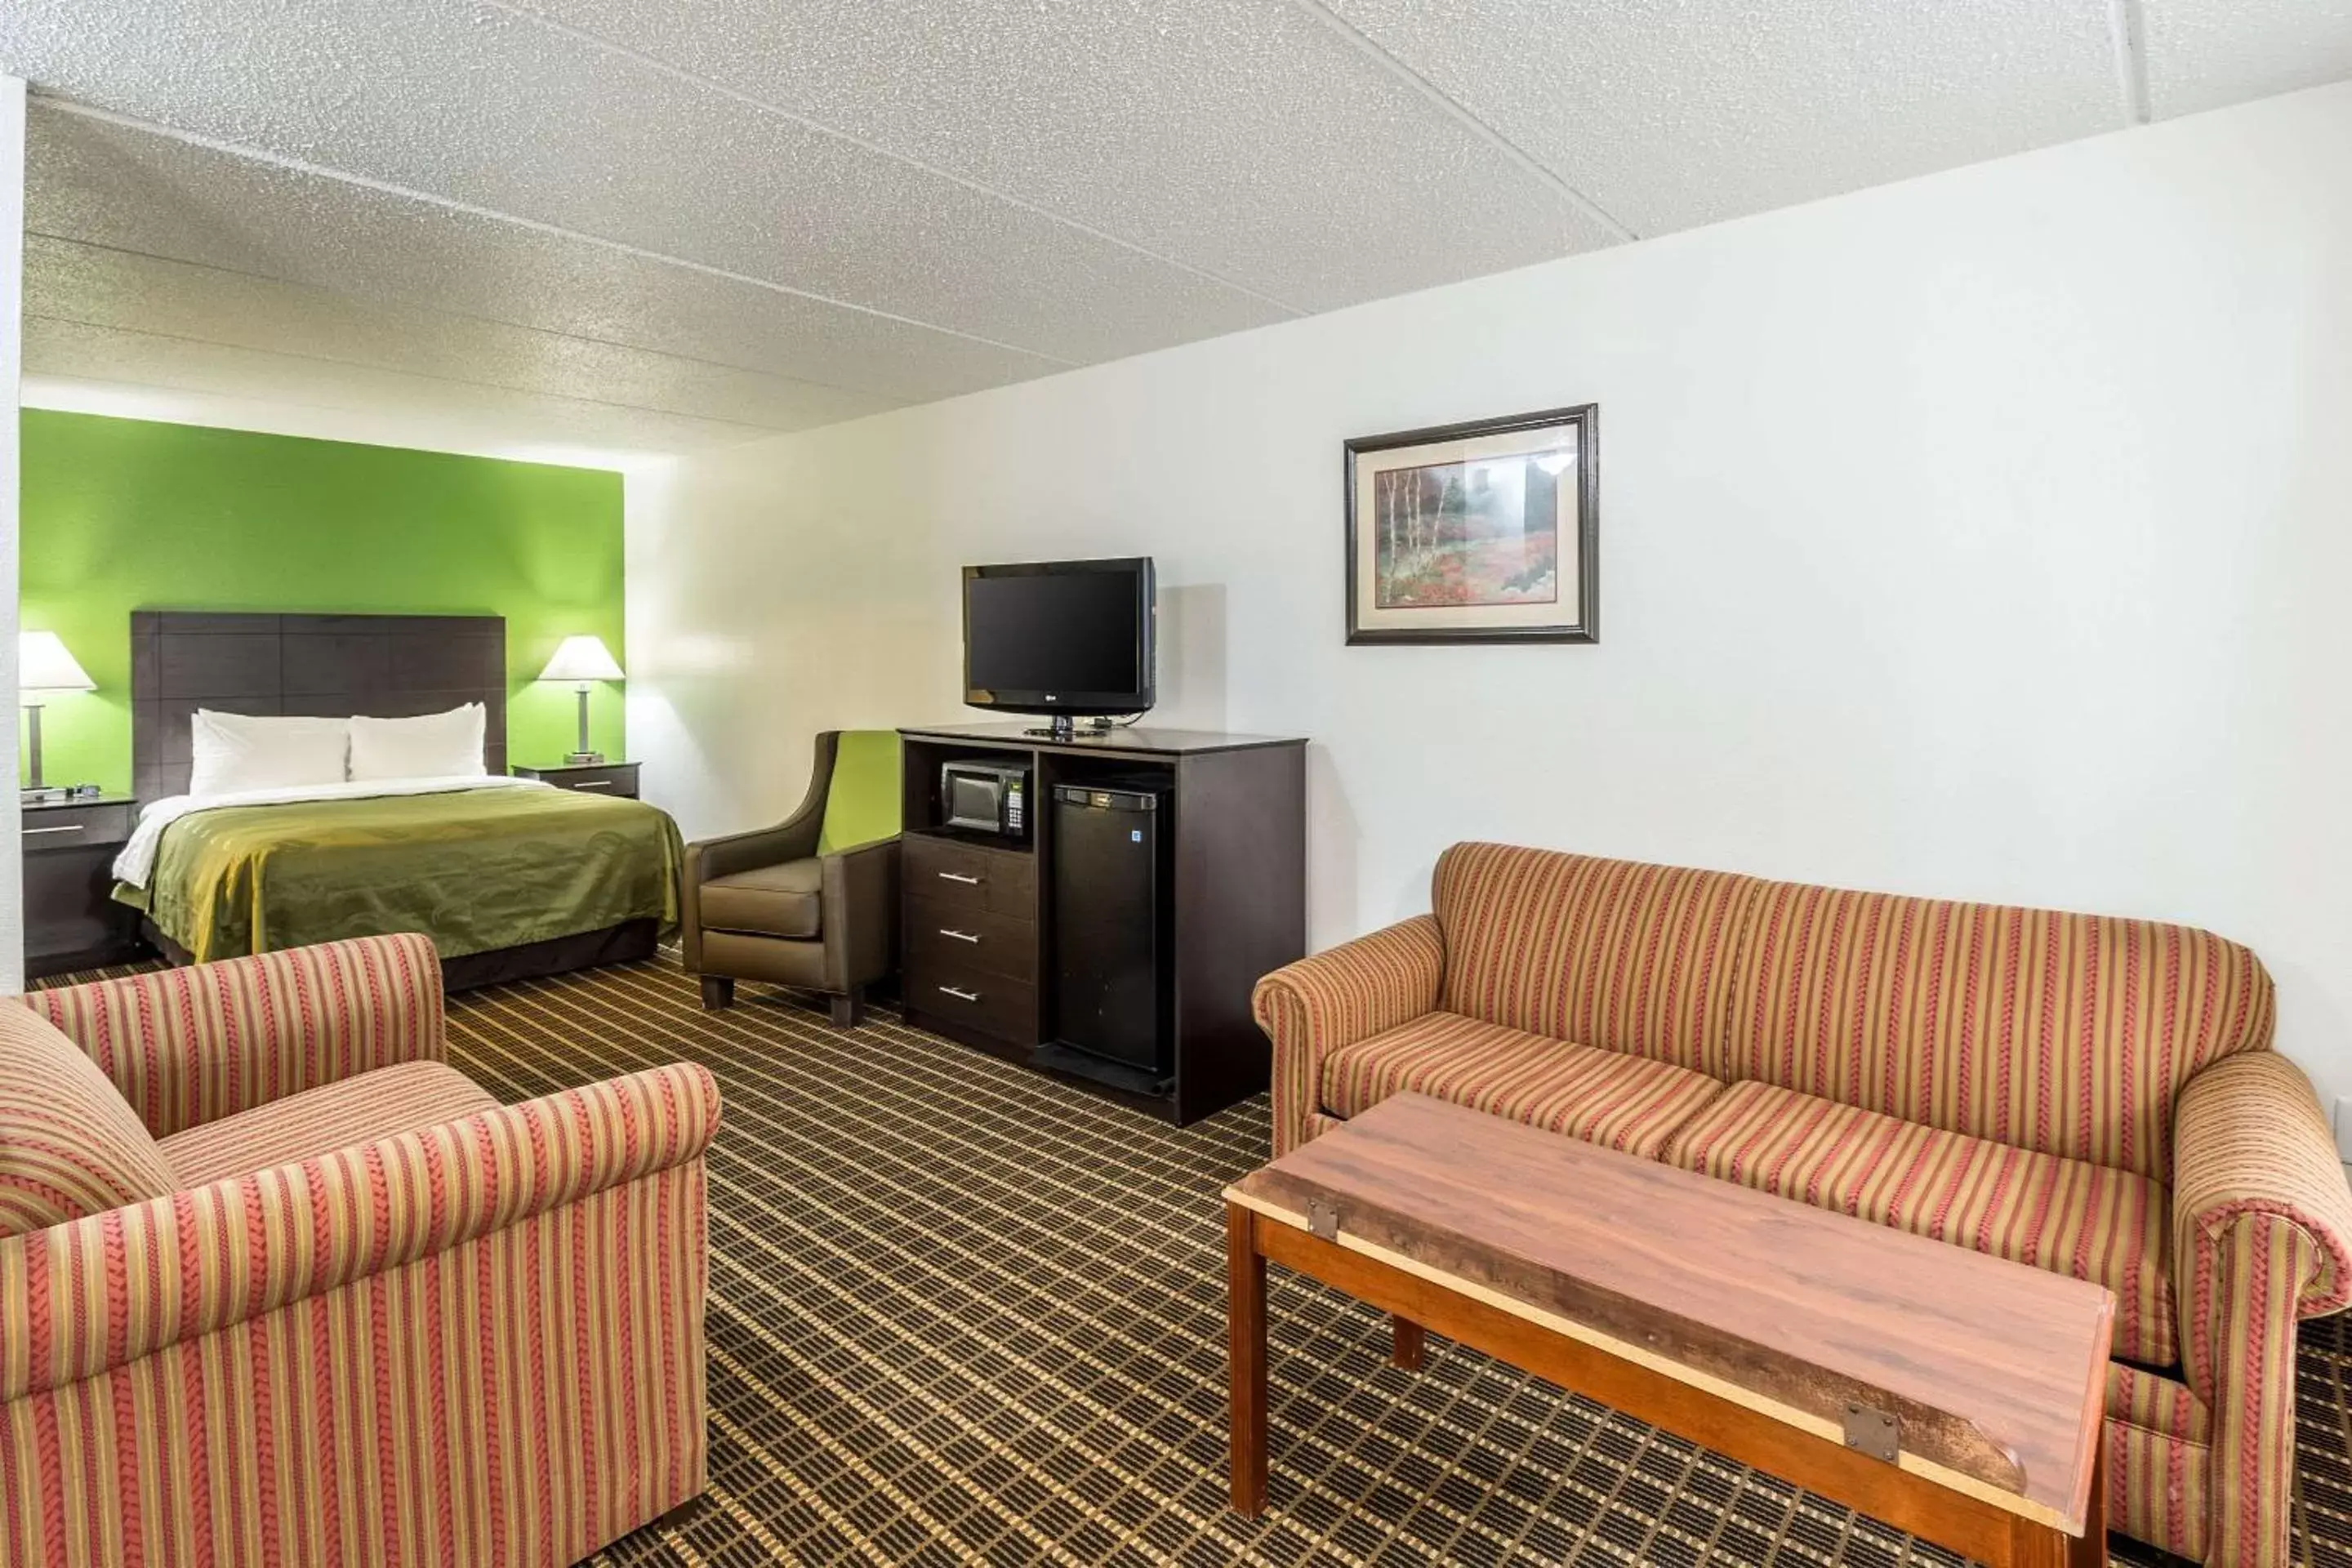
{"x":985,"y":797}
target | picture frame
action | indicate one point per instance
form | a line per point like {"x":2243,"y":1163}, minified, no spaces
{"x":1481,"y":531}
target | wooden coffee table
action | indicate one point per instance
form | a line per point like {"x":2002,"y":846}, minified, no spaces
{"x":1954,"y":1395}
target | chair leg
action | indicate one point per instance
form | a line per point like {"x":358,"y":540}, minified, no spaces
{"x":717,"y":990}
{"x":849,"y":1008}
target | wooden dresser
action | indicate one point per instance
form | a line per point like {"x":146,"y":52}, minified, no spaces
{"x":979,"y":941}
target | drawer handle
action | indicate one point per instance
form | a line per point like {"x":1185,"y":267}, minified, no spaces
{"x":959,"y":876}
{"x":591,"y":784}
{"x":68,"y":827}
{"x":959,"y":935}
{"x":961,"y":995}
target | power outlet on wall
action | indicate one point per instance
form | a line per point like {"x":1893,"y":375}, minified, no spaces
{"x":2344,"y":1128}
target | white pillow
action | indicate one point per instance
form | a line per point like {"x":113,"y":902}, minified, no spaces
{"x":433,"y":746}
{"x":231,"y":751}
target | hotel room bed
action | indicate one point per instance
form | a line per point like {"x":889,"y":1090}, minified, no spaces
{"x":510,"y":878}
{"x":478,"y":871}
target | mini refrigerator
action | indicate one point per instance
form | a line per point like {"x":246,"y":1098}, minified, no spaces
{"x":1113,"y":984}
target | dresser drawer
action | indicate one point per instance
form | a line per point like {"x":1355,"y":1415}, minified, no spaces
{"x":969,"y":876}
{"x":949,"y":936}
{"x":989,"y":1003}
{"x":75,"y":826}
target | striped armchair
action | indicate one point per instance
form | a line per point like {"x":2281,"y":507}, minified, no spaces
{"x":2073,"y":1092}
{"x":279,"y":1285}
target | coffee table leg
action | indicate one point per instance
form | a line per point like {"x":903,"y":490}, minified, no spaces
{"x":1246,"y":1331}
{"x":2091,"y":1550}
{"x":2036,"y":1546}
{"x":1404,"y":1342}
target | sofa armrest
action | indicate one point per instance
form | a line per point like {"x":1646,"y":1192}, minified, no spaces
{"x":1342,"y":994}
{"x":190,"y":1045}
{"x":2262,"y":1234}
{"x":2249,"y":1139}
{"x":99,"y":1292}
{"x":861,"y":913}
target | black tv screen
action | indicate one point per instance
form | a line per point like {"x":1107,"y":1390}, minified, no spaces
{"x":1062,"y":636}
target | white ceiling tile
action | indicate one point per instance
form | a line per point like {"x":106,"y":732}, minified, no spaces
{"x":63,"y":349}
{"x":133,"y":190}
{"x":1243,"y":137}
{"x":2203,"y":54}
{"x":66,"y":281}
{"x":1672,"y":115}
{"x":480,"y":106}
{"x":733,"y":216}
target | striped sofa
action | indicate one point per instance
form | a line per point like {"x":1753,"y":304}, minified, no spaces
{"x":2091,"y":1095}
{"x":278,"y":1285}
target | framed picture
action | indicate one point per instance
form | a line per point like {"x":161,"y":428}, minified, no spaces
{"x":1479,"y":532}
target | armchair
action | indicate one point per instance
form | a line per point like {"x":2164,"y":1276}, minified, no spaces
{"x":343,"y":1347}
{"x":813,"y":900}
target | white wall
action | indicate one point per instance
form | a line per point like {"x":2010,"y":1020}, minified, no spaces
{"x":12,"y":257}
{"x":1985,"y":535}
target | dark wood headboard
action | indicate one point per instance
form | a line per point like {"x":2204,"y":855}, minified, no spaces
{"x":387,"y":667}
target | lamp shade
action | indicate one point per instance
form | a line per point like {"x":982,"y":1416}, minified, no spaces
{"x":44,"y":665}
{"x":581,"y":658}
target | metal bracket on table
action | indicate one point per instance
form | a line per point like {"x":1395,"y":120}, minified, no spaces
{"x":1323,"y":1218}
{"x":1875,"y":1432}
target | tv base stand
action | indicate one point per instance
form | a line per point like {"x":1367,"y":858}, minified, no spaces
{"x":982,"y":963}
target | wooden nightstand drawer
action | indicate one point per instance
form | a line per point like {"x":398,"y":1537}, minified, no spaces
{"x":72,"y":921}
{"x":589,"y":778}
{"x":78,"y":826}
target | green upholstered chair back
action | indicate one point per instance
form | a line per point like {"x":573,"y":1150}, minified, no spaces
{"x":863,"y":803}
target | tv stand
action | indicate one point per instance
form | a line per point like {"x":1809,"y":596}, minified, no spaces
{"x":1058,"y":727}
{"x":978,"y":909}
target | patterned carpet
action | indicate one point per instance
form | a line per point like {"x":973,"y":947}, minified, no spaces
{"x":962,"y":1314}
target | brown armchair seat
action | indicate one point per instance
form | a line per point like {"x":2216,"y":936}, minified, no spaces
{"x":791,"y":905}
{"x":768,"y":900}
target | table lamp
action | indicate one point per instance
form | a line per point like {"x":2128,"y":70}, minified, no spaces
{"x":43,"y":666}
{"x":582,"y":659}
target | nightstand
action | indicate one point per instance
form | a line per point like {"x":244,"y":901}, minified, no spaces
{"x":600,"y":778}
{"x":72,"y":921}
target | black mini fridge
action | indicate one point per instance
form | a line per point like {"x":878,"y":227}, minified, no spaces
{"x":1113,"y":985}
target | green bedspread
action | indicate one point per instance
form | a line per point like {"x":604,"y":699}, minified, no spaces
{"x":474,"y":869}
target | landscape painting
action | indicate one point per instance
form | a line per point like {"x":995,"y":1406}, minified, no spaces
{"x":1473,"y":532}
{"x":1484,"y":533}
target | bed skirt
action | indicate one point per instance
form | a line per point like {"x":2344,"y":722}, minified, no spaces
{"x":627,"y":942}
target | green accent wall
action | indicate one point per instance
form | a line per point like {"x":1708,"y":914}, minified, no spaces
{"x":124,"y":514}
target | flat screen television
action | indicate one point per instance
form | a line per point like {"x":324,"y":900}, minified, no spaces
{"x":1067,"y":638}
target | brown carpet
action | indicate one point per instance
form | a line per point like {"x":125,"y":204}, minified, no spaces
{"x":960,"y":1314}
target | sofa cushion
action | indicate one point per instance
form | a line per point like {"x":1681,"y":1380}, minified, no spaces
{"x":1624,"y":1102}
{"x":2072,"y":1035}
{"x":767,"y":901}
{"x":1611,"y":953}
{"x":70,"y":1145}
{"x":397,"y":1098}
{"x":2089,"y":1221}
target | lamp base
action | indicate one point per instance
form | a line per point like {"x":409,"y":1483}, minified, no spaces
{"x":584,"y":758}
{"x":44,"y":795}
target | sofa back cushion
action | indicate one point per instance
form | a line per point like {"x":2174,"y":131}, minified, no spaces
{"x":2069,"y":1034}
{"x":69,"y":1146}
{"x":1615,"y":954}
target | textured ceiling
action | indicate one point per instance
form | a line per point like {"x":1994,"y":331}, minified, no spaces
{"x":652,"y":227}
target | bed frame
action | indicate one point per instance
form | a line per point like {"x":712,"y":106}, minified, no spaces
{"x":386,"y":667}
